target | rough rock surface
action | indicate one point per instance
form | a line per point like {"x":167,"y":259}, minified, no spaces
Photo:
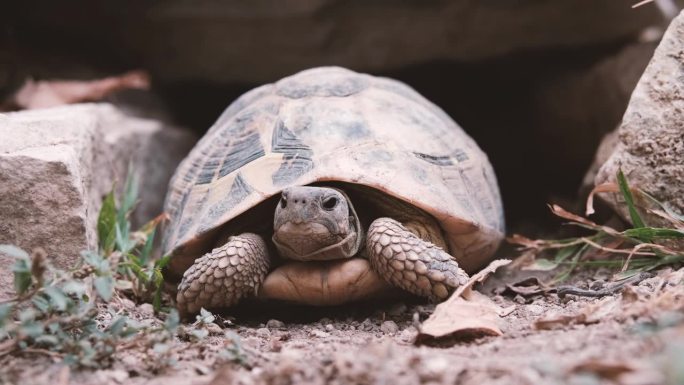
{"x":258,"y":41}
{"x":650,"y":149}
{"x":56,"y":164}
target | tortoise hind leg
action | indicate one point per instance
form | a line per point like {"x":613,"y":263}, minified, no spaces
{"x":411,"y":263}
{"x":225,"y":275}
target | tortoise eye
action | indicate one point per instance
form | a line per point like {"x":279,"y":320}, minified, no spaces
{"x":283,"y":202}
{"x":330,"y":203}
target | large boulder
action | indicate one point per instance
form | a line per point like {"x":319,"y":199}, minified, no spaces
{"x":263,"y":40}
{"x":650,"y":145}
{"x":56,"y":165}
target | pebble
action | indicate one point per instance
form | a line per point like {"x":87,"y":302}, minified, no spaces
{"x":214,"y":329}
{"x":319,"y":333}
{"x":263,"y":333}
{"x":329,"y":327}
{"x":146,"y":309}
{"x":534,"y":309}
{"x":275,"y":324}
{"x":408,"y":335}
{"x":389,"y":327}
{"x":519,"y":299}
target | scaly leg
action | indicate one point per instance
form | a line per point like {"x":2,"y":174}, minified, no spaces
{"x":225,"y":275}
{"x":411,"y":263}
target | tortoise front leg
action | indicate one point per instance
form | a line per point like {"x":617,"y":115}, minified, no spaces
{"x":225,"y":275}
{"x":411,"y":263}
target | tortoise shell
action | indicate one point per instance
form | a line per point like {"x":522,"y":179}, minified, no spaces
{"x":333,"y":124}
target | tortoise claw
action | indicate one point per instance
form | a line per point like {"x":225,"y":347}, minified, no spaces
{"x":411,"y":263}
{"x":225,"y":275}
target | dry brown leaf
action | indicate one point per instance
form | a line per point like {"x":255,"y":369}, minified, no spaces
{"x":609,"y":370}
{"x":52,"y":93}
{"x":474,"y":317}
{"x":604,"y":187}
{"x":561,"y":212}
{"x":521,"y":240}
{"x":467,"y":313}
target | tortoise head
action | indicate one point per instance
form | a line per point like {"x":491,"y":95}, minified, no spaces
{"x":316,"y":223}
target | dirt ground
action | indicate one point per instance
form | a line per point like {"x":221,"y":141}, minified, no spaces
{"x":635,"y":336}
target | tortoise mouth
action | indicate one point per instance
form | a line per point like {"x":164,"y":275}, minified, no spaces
{"x":343,"y":249}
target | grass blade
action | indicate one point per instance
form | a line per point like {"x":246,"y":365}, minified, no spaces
{"x":629,"y":199}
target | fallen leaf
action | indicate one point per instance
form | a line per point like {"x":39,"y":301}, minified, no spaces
{"x":604,"y":187}
{"x":609,"y":370}
{"x":466,"y":314}
{"x":51,"y":93}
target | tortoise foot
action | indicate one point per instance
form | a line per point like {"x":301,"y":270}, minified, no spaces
{"x":411,"y":263}
{"x":225,"y":275}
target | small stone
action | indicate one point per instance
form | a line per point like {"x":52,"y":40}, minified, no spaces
{"x":275,"y":324}
{"x":408,"y":334}
{"x":389,"y":327}
{"x":535,"y":309}
{"x":214,"y":329}
{"x":329,"y":327}
{"x":519,"y":299}
{"x":263,"y":333}
{"x":319,"y":333}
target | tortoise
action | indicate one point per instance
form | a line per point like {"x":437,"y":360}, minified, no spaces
{"x":326,"y":187}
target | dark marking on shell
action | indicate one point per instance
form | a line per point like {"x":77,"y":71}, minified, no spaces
{"x":239,"y":146}
{"x":238,"y":192}
{"x":244,"y":150}
{"x":296,"y":155}
{"x":443,"y":160}
{"x":187,"y":222}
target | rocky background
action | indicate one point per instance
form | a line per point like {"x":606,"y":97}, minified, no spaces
{"x":537,"y":83}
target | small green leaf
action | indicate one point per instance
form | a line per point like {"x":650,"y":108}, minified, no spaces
{"x":48,"y":340}
{"x":648,"y":233}
{"x":106,"y":222}
{"x":22,"y":275}
{"x":147,"y":249}
{"x":5,"y":312}
{"x":13,"y":251}
{"x":172,"y":321}
{"x":116,"y":327}
{"x":74,"y":287}
{"x":105,"y":287}
{"x":96,"y":261}
{"x":41,"y":303}
{"x":57,"y":298}
{"x":629,"y":199}
{"x":542,"y":264}
{"x":163,"y":261}
{"x":199,"y":334}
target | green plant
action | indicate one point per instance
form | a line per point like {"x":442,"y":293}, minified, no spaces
{"x":130,"y":251}
{"x":59,"y":313}
{"x":634,"y":250}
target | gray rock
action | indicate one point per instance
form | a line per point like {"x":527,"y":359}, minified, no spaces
{"x":389,"y":327}
{"x":650,"y":146}
{"x":259,"y":41}
{"x":275,"y":324}
{"x":56,"y":165}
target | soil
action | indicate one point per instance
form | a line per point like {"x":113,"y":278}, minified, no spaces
{"x":635,"y":336}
